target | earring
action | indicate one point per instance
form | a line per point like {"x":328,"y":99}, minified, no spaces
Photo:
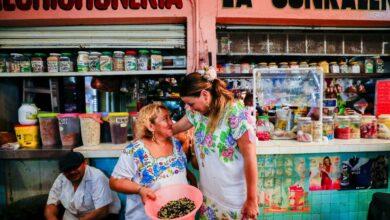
{"x":153,"y":137}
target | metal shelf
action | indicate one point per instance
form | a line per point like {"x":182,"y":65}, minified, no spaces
{"x":113,"y":73}
{"x":326,"y":76}
{"x":301,"y":54}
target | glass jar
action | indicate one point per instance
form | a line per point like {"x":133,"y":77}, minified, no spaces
{"x":106,"y":61}
{"x":328,"y":127}
{"x":355,"y":121}
{"x":143,"y":60}
{"x":83,"y":61}
{"x":66,"y":64}
{"x":263,"y":67}
{"x":294,"y":67}
{"x":94,"y":61}
{"x":38,"y":62}
{"x":334,"y":67}
{"x":15,"y":62}
{"x":343,"y":67}
{"x":379,"y":65}
{"x":25,"y":63}
{"x":118,"y":61}
{"x":263,"y":128}
{"x":252,"y":66}
{"x":325,"y":66}
{"x":317,"y":131}
{"x":156,"y":60}
{"x":130,"y":60}
{"x":228,"y":67}
{"x":355,"y":67}
{"x":304,"y":129}
{"x":3,"y":63}
{"x":368,"y":127}
{"x":342,"y":127}
{"x":283,"y":65}
{"x":368,"y":65}
{"x":236,"y":68}
{"x":313,"y":65}
{"x":245,"y":68}
{"x":303,"y":65}
{"x":384,"y":126}
{"x":273,"y":68}
{"x":53,"y":62}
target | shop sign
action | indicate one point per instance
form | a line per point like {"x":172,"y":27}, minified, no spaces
{"x":67,"y":5}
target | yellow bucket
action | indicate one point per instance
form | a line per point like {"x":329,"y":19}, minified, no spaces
{"x":27,"y":136}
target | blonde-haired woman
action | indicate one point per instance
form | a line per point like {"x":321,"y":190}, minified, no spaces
{"x":224,"y":147}
{"x":154,"y":159}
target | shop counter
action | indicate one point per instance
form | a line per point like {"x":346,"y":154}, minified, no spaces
{"x":33,"y":153}
{"x":108,"y":150}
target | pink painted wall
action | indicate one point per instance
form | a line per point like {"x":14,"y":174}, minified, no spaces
{"x":201,"y":17}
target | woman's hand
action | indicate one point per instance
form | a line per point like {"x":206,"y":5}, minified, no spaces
{"x":250,"y":210}
{"x":146,"y":193}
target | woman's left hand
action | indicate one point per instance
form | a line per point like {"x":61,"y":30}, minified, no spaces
{"x":250,"y":210}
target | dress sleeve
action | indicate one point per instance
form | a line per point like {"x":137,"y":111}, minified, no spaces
{"x":192,"y":117}
{"x":239,"y":123}
{"x":55,"y":192}
{"x":125,"y":167}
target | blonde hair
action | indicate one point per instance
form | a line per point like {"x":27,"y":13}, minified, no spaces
{"x":192,"y":85}
{"x":146,"y":116}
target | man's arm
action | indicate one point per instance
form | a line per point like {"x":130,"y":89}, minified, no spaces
{"x":99,"y":213}
{"x":51,"y":212}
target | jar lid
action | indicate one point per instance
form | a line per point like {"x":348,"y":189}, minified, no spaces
{"x":312,"y":63}
{"x":47,"y":115}
{"x":353,"y":62}
{"x":119,"y":52}
{"x":384,"y":116}
{"x":333,"y":62}
{"x":94,"y":116}
{"x":327,"y":118}
{"x":68,"y":115}
{"x":82,"y":52}
{"x":342,"y":63}
{"x":263,"y":63}
{"x":131,"y":52}
{"x":293,"y":63}
{"x":343,"y":117}
{"x":55,"y":54}
{"x":27,"y":54}
{"x":272,"y":63}
{"x":155,"y":52}
{"x":42,"y":55}
{"x":95,"y":53}
{"x":283,"y":63}
{"x":25,"y":126}
{"x":144,"y":52}
{"x":66,"y":54}
{"x":106,"y":53}
{"x":303,"y":62}
{"x":354,"y":117}
{"x":118,"y":114}
{"x":304,"y":119}
{"x":16,"y":54}
{"x":324,"y":61}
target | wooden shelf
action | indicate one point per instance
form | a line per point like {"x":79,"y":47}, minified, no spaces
{"x":301,"y":54}
{"x":326,"y":76}
{"x":112,"y":73}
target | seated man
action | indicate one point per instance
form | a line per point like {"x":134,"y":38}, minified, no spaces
{"x":82,"y":190}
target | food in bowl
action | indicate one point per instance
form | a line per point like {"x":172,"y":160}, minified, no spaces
{"x":176,"y":208}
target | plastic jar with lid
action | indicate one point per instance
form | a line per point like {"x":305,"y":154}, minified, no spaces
{"x":15,"y":59}
{"x":156,"y":60}
{"x":263,"y":128}
{"x":25,"y":63}
{"x":53,"y":62}
{"x":245,"y":68}
{"x":304,"y":129}
{"x":325,"y":66}
{"x":66,"y":64}
{"x":90,"y":128}
{"x":355,"y":121}
{"x":283,"y":65}
{"x":106,"y":61}
{"x":118,"y":61}
{"x":236,"y":68}
{"x":368,"y":127}
{"x":384,"y":126}
{"x":143,"y":60}
{"x":273,"y":67}
{"x":355,"y":67}
{"x":328,"y":127}
{"x":105,"y":133}
{"x":49,"y":130}
{"x":334,"y":67}
{"x":118,"y":126}
{"x":228,"y":67}
{"x":342,"y":127}
{"x":317,"y":131}
{"x":94,"y":61}
{"x":313,"y":65}
{"x":379,"y":65}
{"x":83,"y":61}
{"x":294,"y":67}
{"x":3,"y":63}
{"x":38,"y":62}
{"x":343,"y":67}
{"x":303,"y":64}
{"x":368,"y":65}
{"x":27,"y":136}
{"x":130,"y":60}
{"x":69,"y":126}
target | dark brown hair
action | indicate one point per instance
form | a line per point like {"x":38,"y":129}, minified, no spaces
{"x":192,"y":85}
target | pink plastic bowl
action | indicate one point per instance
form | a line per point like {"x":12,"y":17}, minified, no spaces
{"x":174,"y":192}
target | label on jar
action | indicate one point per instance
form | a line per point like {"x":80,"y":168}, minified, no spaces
{"x":142,"y":63}
{"x":65,"y":66}
{"x":25,"y":67}
{"x":37,"y":66}
{"x":118,"y":64}
{"x":105,"y":63}
{"x":369,"y":67}
{"x":156,"y":62}
{"x":130,"y":63}
{"x":52,"y":66}
{"x":94,"y":64}
{"x":121,"y":120}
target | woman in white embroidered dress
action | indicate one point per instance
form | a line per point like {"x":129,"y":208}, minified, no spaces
{"x":224,"y":147}
{"x":153,"y":160}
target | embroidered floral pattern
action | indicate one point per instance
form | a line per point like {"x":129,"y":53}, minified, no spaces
{"x":150,"y":169}
{"x":210,"y":210}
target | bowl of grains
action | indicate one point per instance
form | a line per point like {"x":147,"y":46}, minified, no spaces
{"x":179,"y":202}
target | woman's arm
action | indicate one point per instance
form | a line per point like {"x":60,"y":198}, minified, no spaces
{"x":127,"y":186}
{"x":248,"y":151}
{"x":182,"y":125}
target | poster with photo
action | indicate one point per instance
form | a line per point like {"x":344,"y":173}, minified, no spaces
{"x":364,"y":172}
{"x":281,"y":184}
{"x":324,"y":173}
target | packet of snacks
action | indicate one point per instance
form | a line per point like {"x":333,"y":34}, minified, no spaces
{"x":284,"y":129}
